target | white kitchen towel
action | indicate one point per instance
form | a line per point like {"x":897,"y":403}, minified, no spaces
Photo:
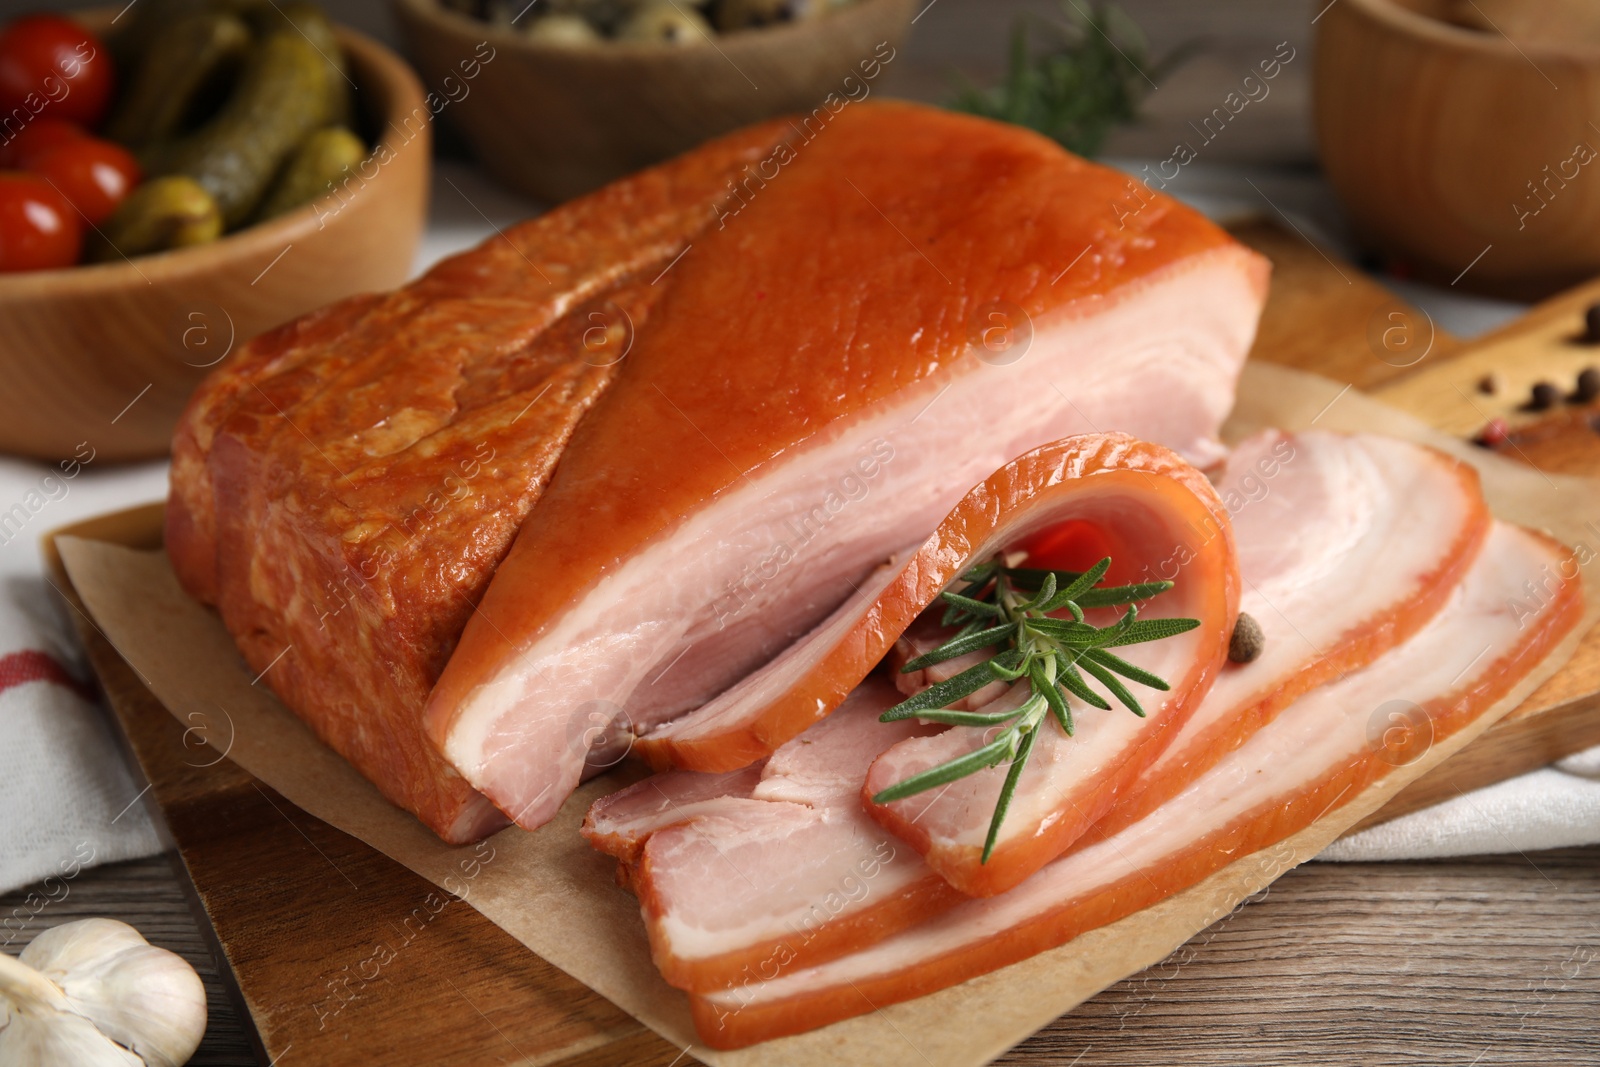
{"x":1555,"y":807}
{"x":67,"y":799}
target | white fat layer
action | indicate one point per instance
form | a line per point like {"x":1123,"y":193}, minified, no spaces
{"x":764,"y":562}
{"x":1325,"y":730}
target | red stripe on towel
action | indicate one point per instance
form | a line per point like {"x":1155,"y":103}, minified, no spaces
{"x":20,"y":668}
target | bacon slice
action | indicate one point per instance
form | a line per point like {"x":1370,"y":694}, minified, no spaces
{"x":1318,"y":754}
{"x":738,"y":882}
{"x":807,"y":400}
{"x":1348,"y":545}
{"x":742,"y":874}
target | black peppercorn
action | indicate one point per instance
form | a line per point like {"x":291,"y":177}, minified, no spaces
{"x":1588,"y":386}
{"x":1247,"y":640}
{"x":1543,"y":396}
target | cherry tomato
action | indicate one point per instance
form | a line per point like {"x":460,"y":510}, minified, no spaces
{"x":38,"y":136}
{"x":1075,"y":545}
{"x":94,"y":175}
{"x":38,"y":228}
{"x":52,"y":65}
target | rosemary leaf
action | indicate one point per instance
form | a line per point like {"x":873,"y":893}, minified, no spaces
{"x":1067,"y":677}
{"x":943,"y":694}
{"x":1009,"y":789}
{"x":1126,"y":669}
{"x":1047,"y":590}
{"x":970,"y":718}
{"x":960,"y":645}
{"x":971,"y":606}
{"x":1045,"y":686}
{"x":1062,"y":630}
{"x":1151,"y":630}
{"x":932,"y":778}
{"x":1081,"y":585}
{"x":1116,"y":595}
{"x":1111,"y":682}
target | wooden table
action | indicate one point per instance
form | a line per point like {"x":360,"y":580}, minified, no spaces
{"x":1485,"y":961}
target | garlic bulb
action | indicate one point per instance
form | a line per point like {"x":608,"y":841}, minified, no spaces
{"x":93,"y":993}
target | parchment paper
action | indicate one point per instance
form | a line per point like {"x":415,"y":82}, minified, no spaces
{"x":555,"y":895}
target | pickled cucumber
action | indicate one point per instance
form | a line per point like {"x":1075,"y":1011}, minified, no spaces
{"x":161,"y":214}
{"x":282,"y":95}
{"x":192,"y":57}
{"x":311,"y":22}
{"x":321,"y":160}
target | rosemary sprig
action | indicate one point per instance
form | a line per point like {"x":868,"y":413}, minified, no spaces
{"x":1013,"y":609}
{"x":1091,"y":77}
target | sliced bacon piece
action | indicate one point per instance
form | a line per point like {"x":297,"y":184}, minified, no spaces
{"x":1318,"y":754}
{"x":619,"y":823}
{"x":1348,"y":545}
{"x":808,"y":397}
{"x":784,"y":866}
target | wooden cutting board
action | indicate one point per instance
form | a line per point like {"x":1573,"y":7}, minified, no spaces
{"x":298,"y":910}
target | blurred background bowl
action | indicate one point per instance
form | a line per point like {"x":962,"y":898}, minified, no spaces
{"x":552,"y":121}
{"x":1447,"y":141}
{"x":108,"y":354}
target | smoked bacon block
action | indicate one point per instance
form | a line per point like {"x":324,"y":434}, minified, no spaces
{"x":343,"y":487}
{"x":906,"y":300}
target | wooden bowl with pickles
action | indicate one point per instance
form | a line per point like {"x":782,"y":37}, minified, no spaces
{"x":282,"y":164}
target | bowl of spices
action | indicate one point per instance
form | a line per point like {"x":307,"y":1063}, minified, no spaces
{"x":571,"y":94}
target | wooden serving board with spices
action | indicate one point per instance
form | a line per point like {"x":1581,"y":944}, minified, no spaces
{"x":341,"y":956}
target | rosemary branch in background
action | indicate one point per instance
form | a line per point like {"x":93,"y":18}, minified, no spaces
{"x":1010,"y":608}
{"x":1091,"y":77}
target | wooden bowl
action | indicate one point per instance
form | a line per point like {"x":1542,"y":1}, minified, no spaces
{"x":1453,"y":149}
{"x":554,"y":121}
{"x":107,"y":355}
